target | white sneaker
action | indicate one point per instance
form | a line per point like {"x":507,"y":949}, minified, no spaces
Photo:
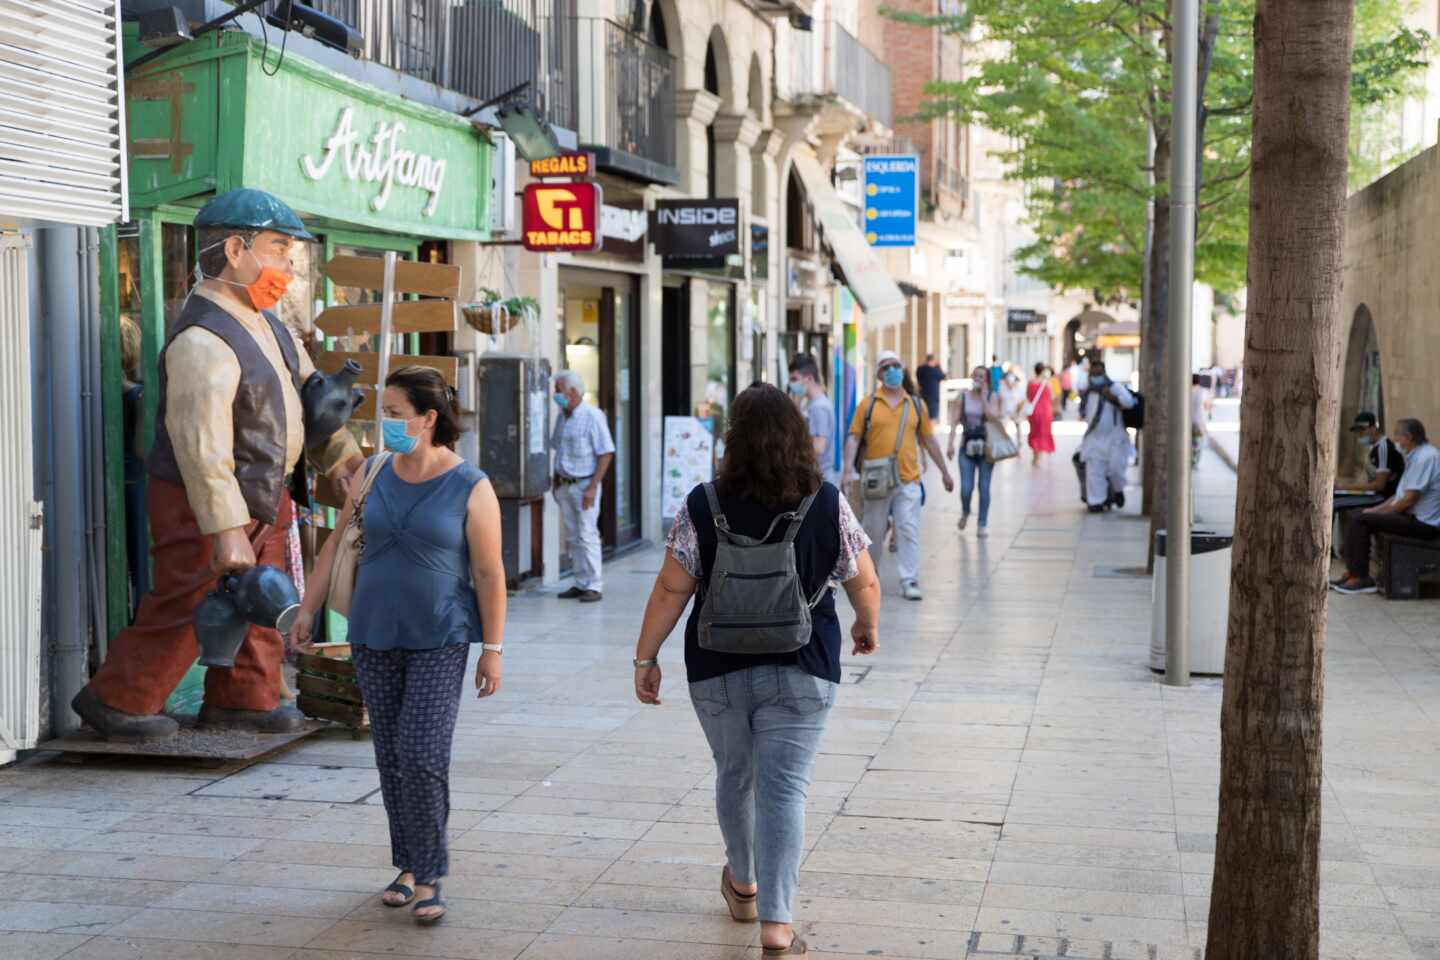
{"x":911,"y":590}
{"x":964,"y":519}
{"x":981,"y":533}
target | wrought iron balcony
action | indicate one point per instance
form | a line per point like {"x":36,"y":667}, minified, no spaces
{"x":480,"y":48}
{"x":624,"y":109}
{"x":626,"y":113}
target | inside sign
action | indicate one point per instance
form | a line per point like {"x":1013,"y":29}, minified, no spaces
{"x":561,"y":218}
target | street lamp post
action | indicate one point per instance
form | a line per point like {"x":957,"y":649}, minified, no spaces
{"x":1184,"y":57}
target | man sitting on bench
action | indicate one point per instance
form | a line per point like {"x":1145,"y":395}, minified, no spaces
{"x":1413,"y":512}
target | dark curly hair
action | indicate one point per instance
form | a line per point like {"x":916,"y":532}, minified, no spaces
{"x":769,"y":457}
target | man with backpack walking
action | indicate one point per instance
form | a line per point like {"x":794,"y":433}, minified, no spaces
{"x":1106,"y":451}
{"x":883,"y":450}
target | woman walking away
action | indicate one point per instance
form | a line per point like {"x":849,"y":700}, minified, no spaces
{"x":429,"y":584}
{"x":969,"y":411}
{"x":762,"y":545}
{"x":1038,"y":409}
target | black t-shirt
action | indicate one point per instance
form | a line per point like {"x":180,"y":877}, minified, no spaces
{"x":817,"y":551}
{"x":929,"y":379}
{"x":1384,"y":455}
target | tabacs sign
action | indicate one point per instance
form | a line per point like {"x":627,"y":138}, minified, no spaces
{"x":696,"y":229}
{"x":562,"y":218}
{"x":577,"y":165}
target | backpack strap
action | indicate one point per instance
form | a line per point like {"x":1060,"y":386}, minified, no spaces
{"x":797,"y":518}
{"x":900,"y":431}
{"x":717,"y":516}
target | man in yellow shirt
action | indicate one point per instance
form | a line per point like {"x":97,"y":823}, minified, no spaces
{"x":889,"y":411}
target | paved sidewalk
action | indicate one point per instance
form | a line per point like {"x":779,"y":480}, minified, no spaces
{"x":1004,"y":778}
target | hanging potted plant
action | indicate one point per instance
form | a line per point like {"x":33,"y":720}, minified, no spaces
{"x":494,"y":315}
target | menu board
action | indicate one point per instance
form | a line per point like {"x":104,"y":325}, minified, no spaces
{"x":689,"y":460}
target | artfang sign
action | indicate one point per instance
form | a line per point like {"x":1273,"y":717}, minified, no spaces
{"x":562,"y":218}
{"x":696,"y":229}
{"x":379,"y":159}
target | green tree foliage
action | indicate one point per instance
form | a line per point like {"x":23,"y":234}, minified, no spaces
{"x":1077,"y":86}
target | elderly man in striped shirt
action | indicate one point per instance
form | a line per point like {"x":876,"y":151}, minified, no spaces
{"x":583,"y":453}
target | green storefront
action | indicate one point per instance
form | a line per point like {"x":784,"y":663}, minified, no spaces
{"x":368,"y":170}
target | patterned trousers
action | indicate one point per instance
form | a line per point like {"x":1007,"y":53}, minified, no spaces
{"x":413,"y":697}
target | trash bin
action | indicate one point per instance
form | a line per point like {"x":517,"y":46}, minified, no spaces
{"x":1210,"y":552}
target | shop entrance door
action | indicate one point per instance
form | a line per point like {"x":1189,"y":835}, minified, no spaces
{"x":675,"y":351}
{"x":600,"y":340}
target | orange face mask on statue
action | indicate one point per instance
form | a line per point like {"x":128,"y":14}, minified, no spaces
{"x":266,"y":290}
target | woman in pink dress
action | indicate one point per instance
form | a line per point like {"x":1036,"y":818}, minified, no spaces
{"x":1037,"y":406}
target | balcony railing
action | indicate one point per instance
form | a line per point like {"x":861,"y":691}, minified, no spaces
{"x":829,"y":62}
{"x":859,"y":75}
{"x":480,"y":48}
{"x":632,"y":111}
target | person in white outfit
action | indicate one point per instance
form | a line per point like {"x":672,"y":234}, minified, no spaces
{"x":1106,"y":450}
{"x":583,"y":453}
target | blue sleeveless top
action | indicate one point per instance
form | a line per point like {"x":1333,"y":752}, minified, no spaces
{"x":413,"y":589}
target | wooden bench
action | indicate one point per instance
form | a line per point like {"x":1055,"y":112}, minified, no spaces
{"x":1403,"y":561}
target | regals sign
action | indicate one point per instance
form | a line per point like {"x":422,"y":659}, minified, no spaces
{"x":892,"y":195}
{"x":562,"y":217}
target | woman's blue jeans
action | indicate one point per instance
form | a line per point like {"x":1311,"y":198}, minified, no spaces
{"x":764,"y":725}
{"x":969,"y":466}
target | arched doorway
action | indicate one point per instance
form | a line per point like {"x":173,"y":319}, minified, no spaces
{"x":1363,"y":384}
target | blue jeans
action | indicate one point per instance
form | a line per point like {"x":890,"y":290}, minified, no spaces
{"x":968,"y":468}
{"x":764,"y":725}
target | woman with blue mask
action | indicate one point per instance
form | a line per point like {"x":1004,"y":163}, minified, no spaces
{"x":430,"y":583}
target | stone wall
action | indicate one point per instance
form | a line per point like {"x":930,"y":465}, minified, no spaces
{"x":1392,"y":242}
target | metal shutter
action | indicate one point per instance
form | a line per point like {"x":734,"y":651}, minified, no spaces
{"x":62,"y":127}
{"x":20,"y":516}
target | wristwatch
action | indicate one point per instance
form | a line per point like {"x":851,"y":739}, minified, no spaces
{"x":652,"y":662}
{"x":493,"y":648}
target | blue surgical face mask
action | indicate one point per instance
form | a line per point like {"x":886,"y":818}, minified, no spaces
{"x":561,"y":400}
{"x":395,"y":436}
{"x":892,"y":377}
{"x":798,"y":388}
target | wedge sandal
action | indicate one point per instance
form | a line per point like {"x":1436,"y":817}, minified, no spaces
{"x":742,"y":906}
{"x":797,"y":948}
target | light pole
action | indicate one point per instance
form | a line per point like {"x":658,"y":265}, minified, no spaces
{"x":1184,"y":57}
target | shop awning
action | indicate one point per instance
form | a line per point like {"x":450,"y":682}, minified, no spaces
{"x":865,"y":275}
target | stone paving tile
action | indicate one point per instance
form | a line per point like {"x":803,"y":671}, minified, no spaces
{"x":265,"y":901}
{"x":402,"y":937}
{"x":18,"y":945}
{"x":90,"y":890}
{"x":215,"y":927}
{"x":553,"y":947}
{"x":37,"y":916}
{"x":653,"y":925}
{"x":134,"y":948}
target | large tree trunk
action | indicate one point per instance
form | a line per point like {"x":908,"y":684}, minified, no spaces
{"x":1265,"y":898}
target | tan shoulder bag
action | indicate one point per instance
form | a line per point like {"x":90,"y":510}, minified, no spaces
{"x":351,"y":545}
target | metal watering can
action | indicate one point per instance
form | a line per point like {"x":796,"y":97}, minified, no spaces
{"x":262,"y":596}
{"x":328,"y":402}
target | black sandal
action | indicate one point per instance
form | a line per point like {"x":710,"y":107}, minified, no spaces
{"x":397,"y":887}
{"x":432,"y":901}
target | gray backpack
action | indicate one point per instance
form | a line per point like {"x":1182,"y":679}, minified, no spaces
{"x":755,"y":603}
